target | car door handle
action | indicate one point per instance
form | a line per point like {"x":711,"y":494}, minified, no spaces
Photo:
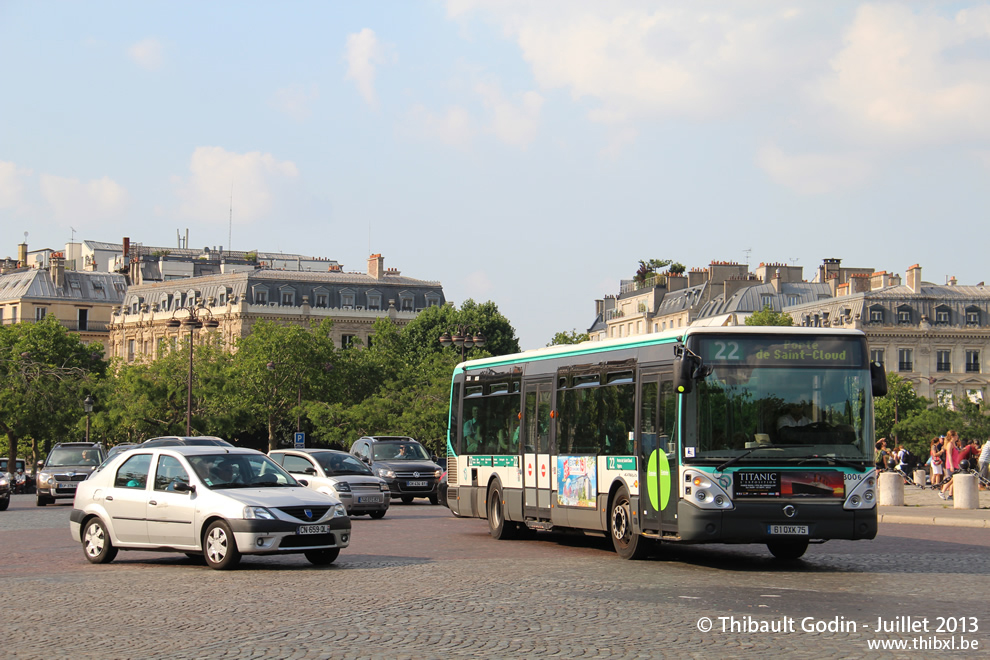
{"x":153,"y":503}
{"x":109,"y":498}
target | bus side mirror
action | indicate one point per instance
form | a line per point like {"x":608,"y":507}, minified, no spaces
{"x":878,"y":379}
{"x":683,"y":371}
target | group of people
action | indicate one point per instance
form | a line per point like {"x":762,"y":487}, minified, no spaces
{"x":20,"y":481}
{"x":946,"y":456}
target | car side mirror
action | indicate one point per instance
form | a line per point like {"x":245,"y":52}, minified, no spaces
{"x":878,"y":379}
{"x":302,"y":482}
{"x":310,"y":471}
{"x":182,"y":487}
{"x":366,"y":459}
{"x":41,"y":463}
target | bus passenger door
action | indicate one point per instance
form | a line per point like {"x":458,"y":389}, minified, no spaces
{"x":657,"y":453}
{"x":536,"y":451}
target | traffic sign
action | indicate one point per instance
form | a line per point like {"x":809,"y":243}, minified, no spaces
{"x":300,"y":440}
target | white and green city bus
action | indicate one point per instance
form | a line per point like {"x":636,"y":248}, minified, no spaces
{"x":700,"y":435}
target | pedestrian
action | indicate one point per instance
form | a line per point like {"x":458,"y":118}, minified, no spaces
{"x":951,"y":463}
{"x":880,"y":456}
{"x":984,"y":464}
{"x":936,"y":462}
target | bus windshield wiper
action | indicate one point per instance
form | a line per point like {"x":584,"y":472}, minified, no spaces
{"x":736,"y":459}
{"x":832,"y":460}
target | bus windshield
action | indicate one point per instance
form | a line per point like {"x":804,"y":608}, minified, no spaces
{"x":769,"y":398}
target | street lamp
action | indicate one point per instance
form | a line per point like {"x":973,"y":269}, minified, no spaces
{"x":197,"y":316}
{"x":88,"y":407}
{"x":464,"y":338}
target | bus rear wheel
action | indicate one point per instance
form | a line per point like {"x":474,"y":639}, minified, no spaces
{"x":627,"y":543}
{"x":788,"y":550}
{"x":498,"y":526}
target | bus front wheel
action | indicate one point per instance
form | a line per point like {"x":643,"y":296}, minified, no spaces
{"x":498,"y":527}
{"x":627,"y":543}
{"x":788,"y":550}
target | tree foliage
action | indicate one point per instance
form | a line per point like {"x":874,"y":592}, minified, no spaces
{"x":767,"y":316}
{"x":572,"y":337}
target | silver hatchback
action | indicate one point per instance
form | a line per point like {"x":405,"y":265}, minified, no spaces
{"x":339,"y":475}
{"x":209,"y":501}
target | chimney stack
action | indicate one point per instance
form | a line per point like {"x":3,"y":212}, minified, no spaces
{"x":22,"y":254}
{"x":376,"y":266}
{"x":914,"y":278}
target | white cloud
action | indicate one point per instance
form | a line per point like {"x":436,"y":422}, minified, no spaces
{"x":913,"y":76}
{"x":12,"y":185}
{"x":147,"y":54}
{"x":453,"y":128}
{"x":513,"y":123}
{"x":74,"y":200}
{"x":205,"y":195}
{"x":363,"y":53}
{"x":815,"y":173}
{"x":295,"y":101}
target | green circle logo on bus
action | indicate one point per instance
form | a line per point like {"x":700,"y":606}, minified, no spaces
{"x":651,"y":480}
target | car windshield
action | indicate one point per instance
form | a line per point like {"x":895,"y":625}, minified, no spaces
{"x":400,"y":451}
{"x":62,"y":456}
{"x":239,"y":471}
{"x":339,"y":464}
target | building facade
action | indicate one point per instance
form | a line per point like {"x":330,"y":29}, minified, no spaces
{"x":238,"y":300}
{"x":82,"y":302}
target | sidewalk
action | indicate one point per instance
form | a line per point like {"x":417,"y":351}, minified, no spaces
{"x":924,"y":507}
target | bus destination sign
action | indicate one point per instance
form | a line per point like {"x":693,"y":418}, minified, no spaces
{"x":782,"y":351}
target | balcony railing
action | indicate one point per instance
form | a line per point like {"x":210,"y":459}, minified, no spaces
{"x":905,"y":366}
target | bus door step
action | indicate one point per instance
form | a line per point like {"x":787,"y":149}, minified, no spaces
{"x":540,"y":525}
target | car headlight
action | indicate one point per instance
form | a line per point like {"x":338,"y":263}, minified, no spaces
{"x":385,"y":473}
{"x":438,"y":473}
{"x":45,"y":478}
{"x":258,"y":513}
{"x":383,"y":487}
{"x":339,"y":511}
{"x":342,"y":487}
{"x":3,"y":481}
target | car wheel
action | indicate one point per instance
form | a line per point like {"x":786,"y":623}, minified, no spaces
{"x":219,"y":546}
{"x":627,"y":544}
{"x":407,"y":499}
{"x":434,"y":500}
{"x":788,"y":550}
{"x":4,"y":503}
{"x":323,"y":557}
{"x":96,"y":542}
{"x":42,"y":500}
{"x":377,"y":515}
{"x":498,"y":527}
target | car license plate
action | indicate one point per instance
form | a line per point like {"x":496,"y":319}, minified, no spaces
{"x":417,"y":484}
{"x":313,"y":529}
{"x":68,"y":485}
{"x":370,"y":498}
{"x":792,"y":530}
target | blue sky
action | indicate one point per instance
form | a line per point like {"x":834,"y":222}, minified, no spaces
{"x":529,"y":153}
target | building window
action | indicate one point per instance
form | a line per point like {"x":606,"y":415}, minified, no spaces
{"x":942,"y":316}
{"x":905,"y":359}
{"x":407,"y":304}
{"x":130,"y":350}
{"x":347,"y":300}
{"x":39,"y":313}
{"x":374,"y":301}
{"x":13,"y":315}
{"x":766,"y":300}
{"x":972,"y":317}
{"x":346,"y":341}
{"x":288,"y":298}
{"x":321,"y":300}
{"x":943,"y":360}
{"x":876,"y":355}
{"x":943,"y":398}
{"x":793,"y":299}
{"x":973,"y":362}
{"x":1,"y":315}
{"x":904,"y":316}
{"x":261,"y":297}
{"x":876,"y":316}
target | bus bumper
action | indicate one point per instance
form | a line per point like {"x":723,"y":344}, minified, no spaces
{"x":750,"y":522}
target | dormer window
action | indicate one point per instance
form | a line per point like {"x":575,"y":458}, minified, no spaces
{"x":972,"y":316}
{"x":347,"y":299}
{"x":288,"y":298}
{"x":261,"y":296}
{"x":904,"y":315}
{"x":876,"y":315}
{"x":942,"y":315}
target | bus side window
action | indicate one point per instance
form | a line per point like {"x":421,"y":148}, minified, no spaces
{"x":648,"y":419}
{"x":668,"y":408}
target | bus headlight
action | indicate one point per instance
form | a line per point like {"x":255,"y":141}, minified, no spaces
{"x":862,"y":495}
{"x":707,"y":493}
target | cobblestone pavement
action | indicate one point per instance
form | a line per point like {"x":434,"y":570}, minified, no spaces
{"x":422,"y":584}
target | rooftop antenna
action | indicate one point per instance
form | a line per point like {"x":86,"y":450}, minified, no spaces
{"x":72,"y":236}
{"x":230,"y":221}
{"x":747,"y":252}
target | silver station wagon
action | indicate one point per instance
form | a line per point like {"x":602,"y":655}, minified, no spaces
{"x":209,"y":501}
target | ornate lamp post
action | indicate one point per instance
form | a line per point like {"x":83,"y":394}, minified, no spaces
{"x":197,"y":316}
{"x":464,"y":338}
{"x":88,"y":407}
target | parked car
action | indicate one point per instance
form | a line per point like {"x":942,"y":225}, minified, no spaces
{"x":338,"y":474}
{"x":67,"y":465}
{"x":189,"y":441}
{"x":403,"y":463}
{"x":215,"y":502}
{"x":116,"y":449}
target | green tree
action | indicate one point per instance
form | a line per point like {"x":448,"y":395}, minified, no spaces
{"x":422,"y":334}
{"x":676,"y":268}
{"x":649,"y":268}
{"x":767,"y":316}
{"x":572,"y":337}
{"x":900,"y":403}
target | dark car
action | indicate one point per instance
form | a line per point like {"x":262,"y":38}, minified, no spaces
{"x":5,"y":487}
{"x":186,"y":441}
{"x":406,"y":465}
{"x":67,"y":464}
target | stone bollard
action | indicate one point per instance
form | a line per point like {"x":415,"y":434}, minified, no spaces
{"x":965,"y":492}
{"x":919,"y":477}
{"x":891,"y":485}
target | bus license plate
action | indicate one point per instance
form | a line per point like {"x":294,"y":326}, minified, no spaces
{"x":370,"y":498}
{"x":791,"y":530}
{"x":313,"y":529}
{"x":416,"y":484}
